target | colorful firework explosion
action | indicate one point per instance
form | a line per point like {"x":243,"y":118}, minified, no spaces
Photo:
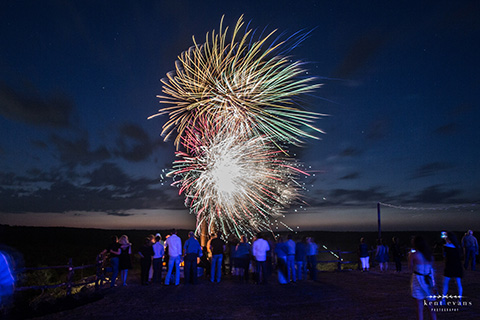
{"x":233,"y":107}
{"x":236,"y":184}
{"x":240,"y":83}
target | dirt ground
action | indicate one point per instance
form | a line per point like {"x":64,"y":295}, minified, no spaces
{"x":336,"y":295}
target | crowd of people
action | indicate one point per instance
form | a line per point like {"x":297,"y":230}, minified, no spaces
{"x":420,"y":262}
{"x":255,"y":259}
{"x":293,"y":259}
{"x":244,"y":260}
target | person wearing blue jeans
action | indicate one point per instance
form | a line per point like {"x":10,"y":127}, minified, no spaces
{"x":312,"y":250}
{"x":113,"y":250}
{"x":192,"y":250}
{"x":174,"y":245}
{"x":217,"y":247}
{"x":115,"y":262}
{"x":290,"y":244}
{"x":173,"y":262}
{"x":216,"y":267}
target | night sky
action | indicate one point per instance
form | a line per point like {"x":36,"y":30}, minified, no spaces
{"x":401,"y":80}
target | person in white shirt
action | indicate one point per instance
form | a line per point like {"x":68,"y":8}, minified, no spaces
{"x":174,"y":245}
{"x":259,"y":250}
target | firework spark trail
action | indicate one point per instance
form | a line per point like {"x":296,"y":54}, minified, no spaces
{"x":240,"y":84}
{"x":233,"y":107}
{"x":237,"y":184}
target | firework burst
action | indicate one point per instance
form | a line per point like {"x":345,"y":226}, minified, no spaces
{"x":233,"y":109}
{"x":241,"y":83}
{"x":236,"y":184}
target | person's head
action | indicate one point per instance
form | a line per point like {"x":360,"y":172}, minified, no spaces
{"x":219,"y":234}
{"x":173,"y":231}
{"x":362,"y":240}
{"x":469,"y":232}
{"x":452,"y":238}
{"x":152,"y":238}
{"x":421,"y":245}
{"x":280,"y":239}
{"x":114,"y":239}
{"x":379,"y":242}
{"x":124,"y":240}
{"x":158,"y":238}
{"x":191,"y":234}
{"x":289,"y":237}
{"x":147,"y":241}
{"x":243,"y":239}
{"x":259,"y":235}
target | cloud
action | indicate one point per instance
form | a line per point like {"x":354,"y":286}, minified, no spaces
{"x":464,"y":17}
{"x":78,"y":151}
{"x":463,"y":109}
{"x":108,"y":174}
{"x":361,"y":51}
{"x":436,"y":194}
{"x":351,"y":176}
{"x":31,"y":108}
{"x":134,"y":144}
{"x":447,"y":129}
{"x":350,"y":152}
{"x":355,"y":196}
{"x":378,"y":129}
{"x":119,"y":214}
{"x":104,"y":189}
{"x":431,"y":169}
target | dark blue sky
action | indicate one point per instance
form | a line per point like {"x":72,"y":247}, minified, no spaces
{"x":78,"y":80}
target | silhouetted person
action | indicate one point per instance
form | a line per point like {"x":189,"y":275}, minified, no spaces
{"x":420,"y":262}
{"x":158,"y":253}
{"x":146,"y":254}
{"x":453,"y":264}
{"x":364,"y":255}
{"x":259,"y":249}
{"x":192,"y":251}
{"x":312,"y":250}
{"x":174,"y":245}
{"x":291,"y":276}
{"x":281,"y":252}
{"x":113,"y":251}
{"x":397,"y":254}
{"x":242,"y":254}
{"x":217,"y":248}
{"x":470,"y":244}
{"x":7,"y":282}
{"x":125,"y":262}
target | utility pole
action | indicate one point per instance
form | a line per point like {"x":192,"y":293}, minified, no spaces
{"x":379,"y":221}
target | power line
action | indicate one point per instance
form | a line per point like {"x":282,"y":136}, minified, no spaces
{"x":450,"y":207}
